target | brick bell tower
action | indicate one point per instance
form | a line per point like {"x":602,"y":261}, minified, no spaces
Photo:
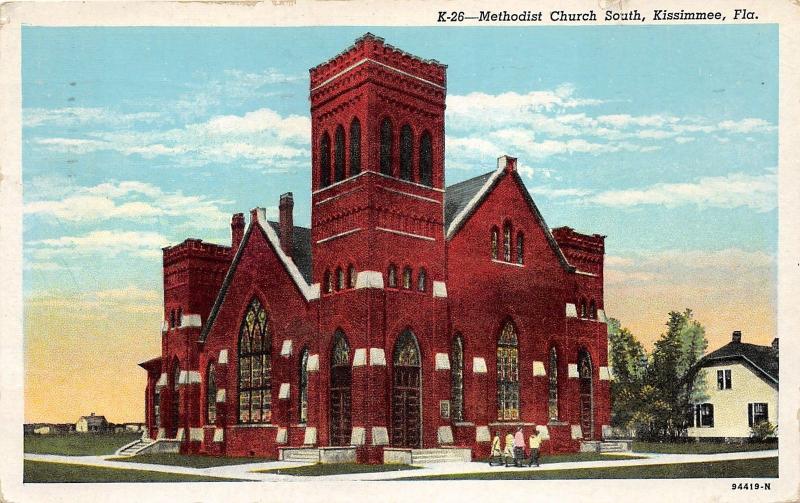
{"x":377,"y":230}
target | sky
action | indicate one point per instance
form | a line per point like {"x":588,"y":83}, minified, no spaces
{"x":664,"y":139}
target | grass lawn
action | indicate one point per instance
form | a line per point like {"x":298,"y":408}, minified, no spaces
{"x":44,"y":472}
{"x":190,"y":460}
{"x":744,"y":468}
{"x":78,"y":444}
{"x":700,"y":447}
{"x":320,"y":470}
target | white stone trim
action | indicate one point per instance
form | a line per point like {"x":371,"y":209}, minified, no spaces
{"x":377,"y":357}
{"x":223,"y":357}
{"x":601,"y":315}
{"x":576,"y":432}
{"x":219,"y":435}
{"x":380,"y":435}
{"x":283,"y":393}
{"x":310,"y":437}
{"x":543,"y":431}
{"x":572,"y":370}
{"x":181,"y":434}
{"x":164,"y":326}
{"x":538,"y":369}
{"x":281,"y":436}
{"x":585,"y":273}
{"x":442,"y":361}
{"x":162,"y":381}
{"x":478,"y":365}
{"x":360,"y":357}
{"x":369,"y":279}
{"x":194,"y":377}
{"x":605,"y":375}
{"x":196,"y":434}
{"x":404,"y":233}
{"x":506,"y":262}
{"x":482,"y":434}
{"x":572,"y":311}
{"x":370,"y":60}
{"x":162,"y":433}
{"x":313,"y":363}
{"x":183,"y":377}
{"x":472,"y":202}
{"x":310,"y":292}
{"x":607,"y":430}
{"x":191,"y":321}
{"x":358,"y":435}
{"x":409,"y":194}
{"x":221,"y":395}
{"x":286,"y":348}
{"x":444,"y":435}
{"x":440,"y":289}
{"x":340,"y":235}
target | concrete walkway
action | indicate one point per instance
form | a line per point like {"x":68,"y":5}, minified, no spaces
{"x":245,"y":471}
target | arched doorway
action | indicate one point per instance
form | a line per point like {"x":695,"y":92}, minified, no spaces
{"x":406,"y":392}
{"x":341,"y":425}
{"x":587,"y":403}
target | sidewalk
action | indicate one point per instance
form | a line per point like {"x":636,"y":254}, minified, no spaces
{"x":245,"y":471}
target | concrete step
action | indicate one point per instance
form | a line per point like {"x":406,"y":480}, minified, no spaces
{"x":310,"y":455}
{"x":133,"y":448}
{"x":437,"y":455}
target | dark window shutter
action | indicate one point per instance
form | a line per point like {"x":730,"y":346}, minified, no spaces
{"x":750,"y":414}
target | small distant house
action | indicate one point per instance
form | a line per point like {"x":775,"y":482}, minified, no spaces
{"x":741,"y":390}
{"x":91,"y":424}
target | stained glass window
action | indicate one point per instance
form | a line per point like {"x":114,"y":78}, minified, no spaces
{"x":304,"y":386}
{"x":355,"y":147}
{"x":392,"y":280}
{"x":592,"y":310}
{"x":325,"y":160}
{"x":338,"y":154}
{"x":211,"y":395}
{"x":407,"y":278}
{"x":386,"y":147}
{"x":552,"y":377}
{"x":495,"y":239}
{"x":405,"y":350}
{"x":351,"y":276}
{"x":425,"y":159}
{"x":339,"y":279}
{"x":422,"y":280}
{"x":457,"y":379}
{"x":341,"y":351}
{"x":406,"y":152}
{"x":255,"y":366}
{"x":520,"y":248}
{"x":507,"y":242}
{"x":507,"y":374}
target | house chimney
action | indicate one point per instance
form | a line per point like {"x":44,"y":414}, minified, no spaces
{"x":285,"y":222}
{"x":737,"y":336}
{"x":506,"y":162}
{"x":258,"y":215}
{"x":237,"y":230}
{"x":775,"y":343}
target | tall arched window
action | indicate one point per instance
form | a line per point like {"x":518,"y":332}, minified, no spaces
{"x":407,"y":278}
{"x":157,"y":408}
{"x":425,"y":159}
{"x":507,"y":242}
{"x":495,"y":241}
{"x":338,"y":154}
{"x":303,"y":393}
{"x":172,"y":319}
{"x":457,"y":379}
{"x":406,"y":151}
{"x":339,"y":279}
{"x":340,"y":398}
{"x":351,"y":276}
{"x":520,"y":248}
{"x":176,"y":395}
{"x":386,"y":147}
{"x":507,"y":374}
{"x":422,"y":280}
{"x":552,"y":385}
{"x":211,"y":395}
{"x":592,"y":310}
{"x":583,"y":308}
{"x":325,"y":160}
{"x":355,"y":147}
{"x":255,"y":366}
{"x":327,"y":282}
{"x":392,"y":276}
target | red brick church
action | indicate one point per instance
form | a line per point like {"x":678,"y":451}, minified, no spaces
{"x":410,"y":315}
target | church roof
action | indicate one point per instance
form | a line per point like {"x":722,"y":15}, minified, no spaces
{"x":301,"y":248}
{"x":764,"y":359}
{"x":458,"y":196}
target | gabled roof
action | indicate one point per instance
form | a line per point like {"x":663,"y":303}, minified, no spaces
{"x":309,"y":291}
{"x":301,"y":248}
{"x":462,"y":199}
{"x":764,"y":359}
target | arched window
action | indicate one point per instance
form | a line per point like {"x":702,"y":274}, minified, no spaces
{"x":520,"y":248}
{"x":340,"y":392}
{"x":507,"y":242}
{"x":351,"y":276}
{"x":583,"y":308}
{"x":406,"y":151}
{"x":157,"y":408}
{"x":425,"y":159}
{"x":303,"y":386}
{"x":172,"y":319}
{"x":179,"y":318}
{"x":386,"y":147}
{"x":552,"y":385}
{"x":392,"y":276}
{"x":338,"y":154}
{"x":325,"y":160}
{"x":327,"y":282}
{"x":407,"y":278}
{"x":457,"y":379}
{"x":592,"y":310}
{"x":422,"y":280}
{"x":507,"y":374}
{"x":255,"y":366}
{"x":355,"y":147}
{"x":176,"y":395}
{"x":211,"y":395}
{"x":339,"y":279}
{"x":495,"y":241}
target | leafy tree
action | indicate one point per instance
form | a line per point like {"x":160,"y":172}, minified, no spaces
{"x":628,"y":362}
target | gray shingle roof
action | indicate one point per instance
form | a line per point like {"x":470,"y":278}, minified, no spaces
{"x":301,"y":248}
{"x":763,"y":358}
{"x":457,"y":196}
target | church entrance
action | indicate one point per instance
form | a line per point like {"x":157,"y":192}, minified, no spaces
{"x":587,"y":403}
{"x":341,"y":378}
{"x":406,"y":393}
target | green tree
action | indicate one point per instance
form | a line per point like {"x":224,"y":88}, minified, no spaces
{"x":628,"y":362}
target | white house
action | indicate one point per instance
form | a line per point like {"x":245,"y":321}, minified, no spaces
{"x":741,"y":391}
{"x":91,"y":424}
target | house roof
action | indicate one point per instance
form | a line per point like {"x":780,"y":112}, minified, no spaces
{"x":764,"y":359}
{"x":301,"y":248}
{"x":94,"y":420}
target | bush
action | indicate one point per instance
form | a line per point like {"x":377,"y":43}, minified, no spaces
{"x":762,"y":431}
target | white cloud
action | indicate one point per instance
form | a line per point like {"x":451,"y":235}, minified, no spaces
{"x":625,"y":120}
{"x":749,"y":125}
{"x":104,"y":243}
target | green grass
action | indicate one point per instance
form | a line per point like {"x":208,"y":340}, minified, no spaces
{"x":321,"y":470}
{"x":190,"y":460}
{"x":744,"y":468}
{"x":45,"y":472}
{"x":78,"y":444}
{"x":700,"y":447}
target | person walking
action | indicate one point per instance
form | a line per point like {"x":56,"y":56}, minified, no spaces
{"x":497,"y":451}
{"x":508,"y":449}
{"x":534,"y":442}
{"x":519,"y":447}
